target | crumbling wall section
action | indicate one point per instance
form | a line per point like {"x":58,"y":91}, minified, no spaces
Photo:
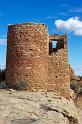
{"x":27,"y":55}
{"x":58,"y":68}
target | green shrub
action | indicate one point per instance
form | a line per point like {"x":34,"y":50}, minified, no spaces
{"x":18,"y":86}
{"x":74,"y":85}
{"x":2,"y":75}
{"x":3,"y":85}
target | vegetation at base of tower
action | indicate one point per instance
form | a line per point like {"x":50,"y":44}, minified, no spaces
{"x":74,"y":85}
{"x":21,"y":86}
{"x":3,"y":85}
{"x":2,"y":75}
{"x":18,"y":86}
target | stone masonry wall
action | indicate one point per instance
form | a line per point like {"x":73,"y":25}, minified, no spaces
{"x":27,"y":55}
{"x":31,"y":59}
{"x":58,"y":68}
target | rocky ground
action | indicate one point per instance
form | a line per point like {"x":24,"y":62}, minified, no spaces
{"x":21,"y":107}
{"x":78,"y":103}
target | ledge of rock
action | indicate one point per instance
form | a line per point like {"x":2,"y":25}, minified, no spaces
{"x":21,"y":107}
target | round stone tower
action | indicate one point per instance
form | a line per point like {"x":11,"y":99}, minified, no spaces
{"x":27,"y":55}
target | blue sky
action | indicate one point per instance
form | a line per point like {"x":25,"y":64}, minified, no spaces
{"x":60,"y":16}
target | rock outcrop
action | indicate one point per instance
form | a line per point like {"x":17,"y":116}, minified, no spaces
{"x":36,"y":108}
{"x":78,"y":103}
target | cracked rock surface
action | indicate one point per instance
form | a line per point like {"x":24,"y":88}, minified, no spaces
{"x":22,"y":107}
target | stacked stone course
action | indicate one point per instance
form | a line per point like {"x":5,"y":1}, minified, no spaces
{"x":31,"y":58}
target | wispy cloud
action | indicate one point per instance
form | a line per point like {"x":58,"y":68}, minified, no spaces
{"x":64,"y":5}
{"x":78,"y":70}
{"x":63,"y":14}
{"x":3,"y":41}
{"x":78,"y":10}
{"x":48,"y":18}
{"x":44,"y":18}
{"x":73,"y":24}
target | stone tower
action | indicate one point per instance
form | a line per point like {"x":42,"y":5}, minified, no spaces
{"x":27,"y":55}
{"x":58,"y":67}
{"x":31,"y":58}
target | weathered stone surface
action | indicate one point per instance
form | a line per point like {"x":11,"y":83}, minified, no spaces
{"x":78,"y":103}
{"x":72,"y":94}
{"x":36,"y":108}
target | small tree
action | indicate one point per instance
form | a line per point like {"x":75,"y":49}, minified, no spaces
{"x":74,"y":85}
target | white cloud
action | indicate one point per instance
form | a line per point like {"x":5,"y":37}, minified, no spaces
{"x":3,"y":41}
{"x":73,"y":24}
